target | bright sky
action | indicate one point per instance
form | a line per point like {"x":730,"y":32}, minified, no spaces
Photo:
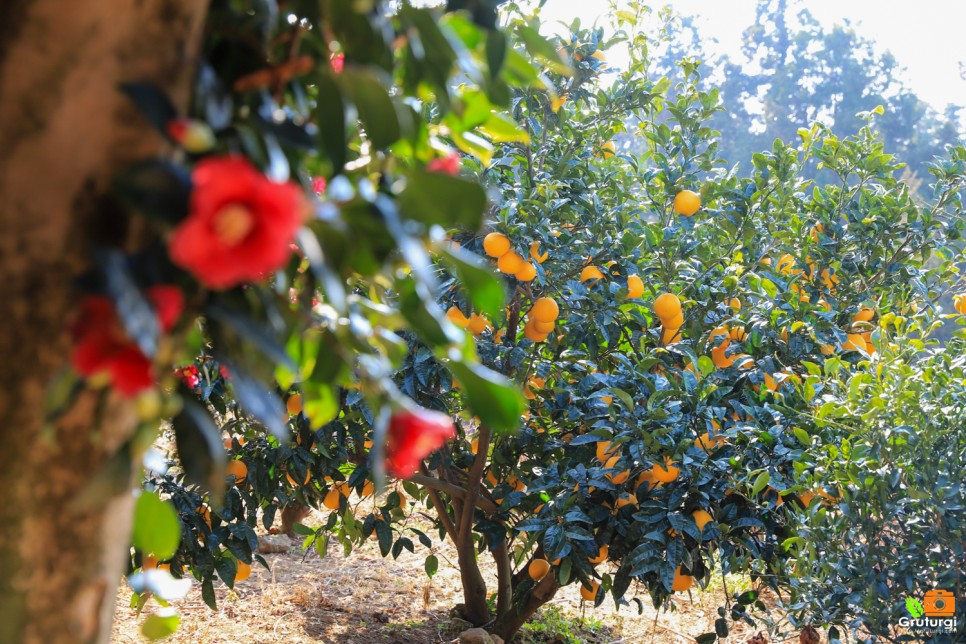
{"x":925,"y":37}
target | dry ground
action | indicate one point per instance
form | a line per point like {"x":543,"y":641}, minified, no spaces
{"x":365,"y":599}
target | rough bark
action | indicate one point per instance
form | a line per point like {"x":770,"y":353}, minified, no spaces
{"x":508,"y":623}
{"x":64,"y":131}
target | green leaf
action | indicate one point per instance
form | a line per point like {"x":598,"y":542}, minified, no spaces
{"x":914,"y":606}
{"x":437,"y":198}
{"x":502,"y":130}
{"x":802,"y":436}
{"x":540,"y":48}
{"x":760,"y":483}
{"x":330,"y":113}
{"x":484,"y":286}
{"x":161,"y":624}
{"x":496,"y":44}
{"x":490,"y":396}
{"x":375,"y":107}
{"x":157,"y":529}
{"x":320,"y":403}
{"x":322,"y":546}
{"x":431,"y":565}
{"x":200,"y":449}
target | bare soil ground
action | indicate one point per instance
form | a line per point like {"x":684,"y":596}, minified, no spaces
{"x":365,"y":599}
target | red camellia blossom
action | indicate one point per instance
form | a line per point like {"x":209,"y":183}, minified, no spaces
{"x":450,"y":164}
{"x":239,"y":226}
{"x":338,"y":62}
{"x":189,"y":375}
{"x":413,"y":435}
{"x":319,"y":184}
{"x":101,"y":345}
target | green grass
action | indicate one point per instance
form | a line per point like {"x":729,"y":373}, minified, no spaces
{"x":552,"y":624}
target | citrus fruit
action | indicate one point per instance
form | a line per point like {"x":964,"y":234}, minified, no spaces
{"x":291,"y":480}
{"x":865,"y":314}
{"x":510,"y":263}
{"x":237,"y":469}
{"x":244,"y":571}
{"x":589,"y":592}
{"x":526,"y":273}
{"x":496,"y":244}
{"x":681,"y":581}
{"x":332,"y":499}
{"x":456,"y":316}
{"x":702,"y":518}
{"x":538,"y":569}
{"x":608,"y":149}
{"x":477,"y":324}
{"x":530,"y":333}
{"x":687,"y":203}
{"x":545,"y":310}
{"x":591,"y":274}
{"x":601,"y":555}
{"x":854,"y":342}
{"x":635,"y":286}
{"x":535,"y":253}
{"x":666,"y":306}
{"x":665,"y":473}
{"x":543,"y":327}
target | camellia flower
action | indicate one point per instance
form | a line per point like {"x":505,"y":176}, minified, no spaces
{"x":319,"y":185}
{"x":338,"y":62}
{"x":189,"y":375}
{"x":450,"y":164}
{"x":102,"y":347}
{"x":239,"y":225}
{"x":413,"y":435}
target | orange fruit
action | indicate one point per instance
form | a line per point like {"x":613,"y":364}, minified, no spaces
{"x":604,"y":452}
{"x":702,"y":518}
{"x":538,"y":569}
{"x":817,"y":230}
{"x":608,"y":149}
{"x":589,"y":592}
{"x":770,"y":382}
{"x":294,"y":483}
{"x":496,"y":244}
{"x":244,"y":571}
{"x":667,"y":306}
{"x":738,"y":333}
{"x":720,"y":360}
{"x":591,"y":274}
{"x":332,"y":500}
{"x":367,"y":489}
{"x":665,"y":473}
{"x":510,"y":263}
{"x":205,"y":514}
{"x":456,"y":316}
{"x":865,"y":314}
{"x":478,"y":324}
{"x":294,"y":404}
{"x":671,"y":335}
{"x":535,"y":253}
{"x":854,"y":342}
{"x":530,"y":333}
{"x":675,"y":322}
{"x":625,"y":499}
{"x":545,"y":310}
{"x":707,"y":442}
{"x":687,"y":203}
{"x":526,"y":273}
{"x":735,"y":304}
{"x":959,"y":303}
{"x":601,"y":555}
{"x":149,"y":562}
{"x":681,"y":582}
{"x":238,"y":469}
{"x":806,"y":497}
{"x":648,"y":479}
{"x":557,"y":103}
{"x":635,"y":286}
{"x":786,"y":263}
{"x":543,"y":327}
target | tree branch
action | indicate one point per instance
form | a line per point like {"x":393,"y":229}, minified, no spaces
{"x":454,"y":491}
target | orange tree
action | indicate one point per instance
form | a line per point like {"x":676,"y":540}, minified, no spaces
{"x":678,"y":332}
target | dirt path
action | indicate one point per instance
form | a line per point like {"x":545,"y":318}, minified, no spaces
{"x":365,"y":599}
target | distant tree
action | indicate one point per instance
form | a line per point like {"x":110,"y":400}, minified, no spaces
{"x":794,"y":71}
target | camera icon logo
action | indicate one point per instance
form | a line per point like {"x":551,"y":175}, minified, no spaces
{"x":939,"y":603}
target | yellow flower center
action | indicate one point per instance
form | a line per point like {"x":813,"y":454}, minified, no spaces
{"x":233,"y":223}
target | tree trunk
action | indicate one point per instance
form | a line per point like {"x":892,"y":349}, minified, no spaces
{"x":507,"y":624}
{"x":64,"y":130}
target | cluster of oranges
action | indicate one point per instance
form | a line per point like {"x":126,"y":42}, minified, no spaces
{"x":475,"y":323}
{"x":497,"y":245}
{"x":541,"y":319}
{"x":667,"y":308}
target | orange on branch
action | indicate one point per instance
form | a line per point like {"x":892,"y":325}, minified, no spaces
{"x":589,"y":592}
{"x":687,"y":203}
{"x":538,"y":569}
{"x":681,"y":581}
{"x":635,"y":286}
{"x":527,"y":273}
{"x":545,"y":310}
{"x":510,"y":263}
{"x":591,"y":274}
{"x":496,"y":245}
{"x":238,"y":469}
{"x":666,"y":306}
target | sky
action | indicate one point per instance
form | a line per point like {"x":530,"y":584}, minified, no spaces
{"x":926,"y":37}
